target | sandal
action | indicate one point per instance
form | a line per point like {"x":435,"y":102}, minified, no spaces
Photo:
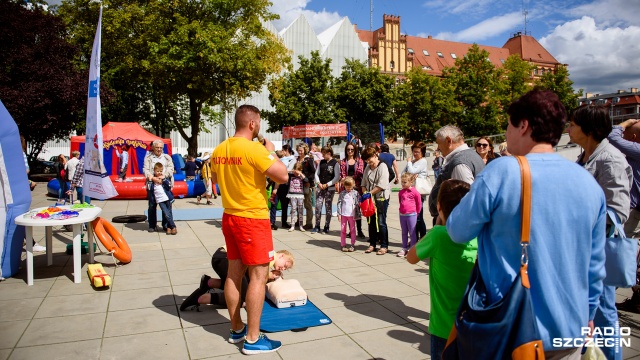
{"x":370,"y":249}
{"x":382,"y":251}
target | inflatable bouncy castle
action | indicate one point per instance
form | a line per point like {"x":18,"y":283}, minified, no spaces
{"x":15,"y":197}
{"x":116,"y":134}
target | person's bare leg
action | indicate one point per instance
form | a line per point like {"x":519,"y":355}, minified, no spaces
{"x":255,"y":299}
{"x":232,"y":288}
{"x":214,"y":283}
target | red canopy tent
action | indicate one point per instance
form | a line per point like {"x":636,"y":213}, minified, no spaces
{"x":120,"y":133}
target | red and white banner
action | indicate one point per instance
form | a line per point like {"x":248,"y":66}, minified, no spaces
{"x":315,"y":130}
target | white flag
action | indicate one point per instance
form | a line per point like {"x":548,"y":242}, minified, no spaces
{"x":96,"y":183}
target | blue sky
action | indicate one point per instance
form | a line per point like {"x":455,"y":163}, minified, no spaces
{"x":600,"y":40}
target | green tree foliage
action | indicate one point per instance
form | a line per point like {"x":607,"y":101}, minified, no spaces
{"x":518,"y":76}
{"x":477,"y":88}
{"x":560,"y":84}
{"x":302,"y":96}
{"x":39,"y":84}
{"x":423,"y":104}
{"x":173,"y":59}
{"x":363,"y":97}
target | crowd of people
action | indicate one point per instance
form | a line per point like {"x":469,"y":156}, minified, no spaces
{"x":474,"y":206}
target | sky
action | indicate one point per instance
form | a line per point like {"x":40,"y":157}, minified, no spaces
{"x":600,"y":40}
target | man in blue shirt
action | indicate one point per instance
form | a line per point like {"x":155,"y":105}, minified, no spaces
{"x":626,"y":138}
{"x":386,"y":157}
{"x":566,"y":254}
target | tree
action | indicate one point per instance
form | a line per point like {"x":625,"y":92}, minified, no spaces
{"x":477,"y":85}
{"x":517,"y":80}
{"x":303,"y":96}
{"x":363,"y":97}
{"x":39,"y":84}
{"x":422,"y":105}
{"x":182,"y":57}
{"x":560,"y":84}
{"x":517,"y":77}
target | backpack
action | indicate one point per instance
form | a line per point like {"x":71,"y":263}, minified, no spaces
{"x":392,"y":175}
{"x":367,"y":205}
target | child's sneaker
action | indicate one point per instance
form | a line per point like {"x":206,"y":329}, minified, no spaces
{"x":402,"y":253}
{"x":344,"y":249}
{"x":292,"y":228}
{"x":261,"y":346}
{"x":351,"y":249}
{"x":236,"y":337}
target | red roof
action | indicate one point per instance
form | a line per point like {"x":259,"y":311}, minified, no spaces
{"x":448,"y":49}
{"x":529,"y":49}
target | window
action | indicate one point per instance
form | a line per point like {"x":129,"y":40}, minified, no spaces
{"x":453,"y":55}
{"x":425,"y":52}
{"x":502,"y":61}
{"x":410,"y":50}
{"x":391,"y":64}
{"x":427,"y":67}
{"x":440,"y":54}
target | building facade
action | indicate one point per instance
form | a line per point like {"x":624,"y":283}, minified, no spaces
{"x":395,"y":53}
{"x":623,"y":105}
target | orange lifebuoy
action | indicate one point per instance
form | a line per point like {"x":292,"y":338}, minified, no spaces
{"x":111,"y":239}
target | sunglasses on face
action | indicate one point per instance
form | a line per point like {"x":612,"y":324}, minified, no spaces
{"x":481,"y":145}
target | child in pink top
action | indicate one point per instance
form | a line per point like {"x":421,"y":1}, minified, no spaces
{"x":410,"y":206}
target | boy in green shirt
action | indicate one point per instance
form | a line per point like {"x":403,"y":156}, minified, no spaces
{"x":450,"y":266}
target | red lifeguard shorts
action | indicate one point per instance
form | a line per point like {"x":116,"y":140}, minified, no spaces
{"x":248,"y":239}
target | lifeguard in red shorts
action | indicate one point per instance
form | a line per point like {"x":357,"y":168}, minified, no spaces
{"x":241,"y":165}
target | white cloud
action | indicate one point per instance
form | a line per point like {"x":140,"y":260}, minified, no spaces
{"x":289,"y":10}
{"x":485,"y":29}
{"x":610,"y":12}
{"x":601,"y":59}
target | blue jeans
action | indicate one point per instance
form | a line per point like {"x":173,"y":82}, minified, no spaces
{"x":607,"y":316}
{"x":167,"y":215}
{"x":379,"y":231}
{"x":437,"y":346}
{"x":62,"y":192}
{"x":83,"y":199}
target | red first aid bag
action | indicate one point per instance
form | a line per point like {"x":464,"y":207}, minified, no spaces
{"x":367,"y":205}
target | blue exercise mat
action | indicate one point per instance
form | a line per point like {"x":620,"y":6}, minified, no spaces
{"x":291,"y":318}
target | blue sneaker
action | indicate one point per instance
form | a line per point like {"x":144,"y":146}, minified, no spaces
{"x":315,"y":230}
{"x":236,"y":337}
{"x":261,"y":346}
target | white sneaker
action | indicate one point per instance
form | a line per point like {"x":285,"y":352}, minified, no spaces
{"x":402,"y":253}
{"x":291,"y":229}
{"x":302,"y":229}
{"x":39,"y":248}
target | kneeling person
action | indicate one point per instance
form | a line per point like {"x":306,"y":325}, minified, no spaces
{"x":204,"y":295}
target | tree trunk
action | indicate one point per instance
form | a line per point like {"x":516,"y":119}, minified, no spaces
{"x":195,"y":108}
